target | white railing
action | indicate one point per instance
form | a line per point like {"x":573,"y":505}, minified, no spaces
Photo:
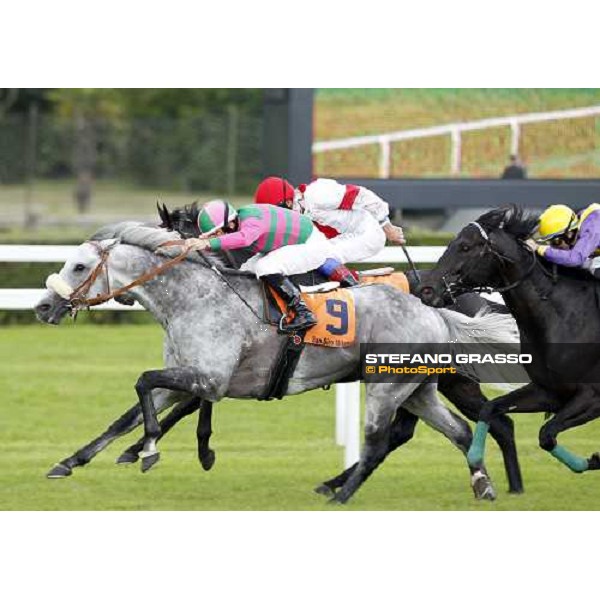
{"x":347,"y":431}
{"x":454,"y":130}
{"x":23,"y":299}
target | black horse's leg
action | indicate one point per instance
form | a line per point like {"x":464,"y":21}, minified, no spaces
{"x":583,"y":407}
{"x":123,"y":425}
{"x":181,"y":379}
{"x":84,"y":455}
{"x":467,"y":396}
{"x":403,"y":429}
{"x":178,"y":412}
{"x":531,"y":398}
{"x":203,"y":433}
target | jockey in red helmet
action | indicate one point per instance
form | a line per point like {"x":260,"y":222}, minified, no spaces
{"x":354,"y":218}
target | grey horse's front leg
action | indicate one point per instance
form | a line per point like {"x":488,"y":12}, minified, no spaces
{"x":181,"y":379}
{"x":205,"y":454}
{"x":178,"y":412}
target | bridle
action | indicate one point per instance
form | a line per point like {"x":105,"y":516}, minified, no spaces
{"x":78,"y":298}
{"x":488,"y":248}
{"x":79,"y":301}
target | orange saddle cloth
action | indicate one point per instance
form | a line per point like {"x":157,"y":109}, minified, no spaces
{"x":336,"y":317}
{"x":396,"y":279}
{"x":336,"y":313}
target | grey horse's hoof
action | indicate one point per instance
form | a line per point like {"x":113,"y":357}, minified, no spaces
{"x":324,"y":490}
{"x":127,"y":458}
{"x":149,"y":461}
{"x":338,"y":499}
{"x":482,"y":487}
{"x":59,"y":471}
{"x":207,"y":459}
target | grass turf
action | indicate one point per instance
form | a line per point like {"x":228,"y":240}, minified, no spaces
{"x":62,"y":386}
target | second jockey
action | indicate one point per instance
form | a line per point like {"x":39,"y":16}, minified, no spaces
{"x":282,"y":241}
{"x":574,"y":239}
{"x":354,"y":218}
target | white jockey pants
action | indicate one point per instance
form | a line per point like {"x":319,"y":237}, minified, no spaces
{"x":363,"y":238}
{"x":291,"y":260}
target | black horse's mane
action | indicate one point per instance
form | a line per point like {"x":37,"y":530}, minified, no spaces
{"x":513,"y":219}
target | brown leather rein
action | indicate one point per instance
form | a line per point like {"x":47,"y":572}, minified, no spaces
{"x":78,"y":299}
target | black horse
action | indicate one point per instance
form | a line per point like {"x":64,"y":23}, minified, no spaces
{"x":558,"y":313}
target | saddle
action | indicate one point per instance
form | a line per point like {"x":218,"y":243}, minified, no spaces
{"x":336,"y":322}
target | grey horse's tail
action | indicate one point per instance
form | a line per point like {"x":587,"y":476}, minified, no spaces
{"x":488,"y":333}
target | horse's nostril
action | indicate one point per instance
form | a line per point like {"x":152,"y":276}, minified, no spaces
{"x":43,"y":308}
{"x":427,"y":291}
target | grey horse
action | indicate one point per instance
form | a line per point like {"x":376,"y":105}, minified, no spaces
{"x":217,"y":345}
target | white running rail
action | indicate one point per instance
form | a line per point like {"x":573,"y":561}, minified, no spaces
{"x":454,"y":130}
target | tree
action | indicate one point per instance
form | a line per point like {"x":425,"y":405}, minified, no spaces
{"x":85,"y":107}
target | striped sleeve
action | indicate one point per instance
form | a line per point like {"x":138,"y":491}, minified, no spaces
{"x":250,"y":230}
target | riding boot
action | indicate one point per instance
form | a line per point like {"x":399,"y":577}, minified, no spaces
{"x":303,"y":317}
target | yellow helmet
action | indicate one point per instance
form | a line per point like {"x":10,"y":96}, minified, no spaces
{"x":556,"y":220}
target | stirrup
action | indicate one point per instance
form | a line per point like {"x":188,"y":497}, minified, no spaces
{"x":285,"y":328}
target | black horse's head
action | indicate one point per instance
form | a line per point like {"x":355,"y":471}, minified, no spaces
{"x":481,"y":255}
{"x":183,"y":220}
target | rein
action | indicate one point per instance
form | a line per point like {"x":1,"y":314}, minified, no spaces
{"x":78,"y":299}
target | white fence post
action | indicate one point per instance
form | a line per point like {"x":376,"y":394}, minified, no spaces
{"x":352,"y":423}
{"x":455,"y":151}
{"x":515,"y":137}
{"x":384,"y":158}
{"x":340,"y":414}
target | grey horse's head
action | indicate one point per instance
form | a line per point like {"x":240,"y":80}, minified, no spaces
{"x":82,"y":268}
{"x":58,"y":300}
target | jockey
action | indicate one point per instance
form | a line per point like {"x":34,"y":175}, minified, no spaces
{"x":354,"y":218}
{"x":283,"y":242}
{"x":574,"y":239}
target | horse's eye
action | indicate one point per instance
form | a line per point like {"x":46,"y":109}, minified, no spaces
{"x":79,"y":267}
{"x":464,"y":248}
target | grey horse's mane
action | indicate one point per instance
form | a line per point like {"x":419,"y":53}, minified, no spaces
{"x":149,"y":237}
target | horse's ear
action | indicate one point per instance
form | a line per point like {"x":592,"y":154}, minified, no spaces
{"x":165,"y":216}
{"x":160,"y":214}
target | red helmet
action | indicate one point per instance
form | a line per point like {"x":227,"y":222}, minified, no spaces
{"x":273,"y":190}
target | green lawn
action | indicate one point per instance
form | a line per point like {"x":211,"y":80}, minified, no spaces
{"x":62,"y":386}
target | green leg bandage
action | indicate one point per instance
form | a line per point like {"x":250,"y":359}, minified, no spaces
{"x":477,"y":449}
{"x":574,"y":462}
